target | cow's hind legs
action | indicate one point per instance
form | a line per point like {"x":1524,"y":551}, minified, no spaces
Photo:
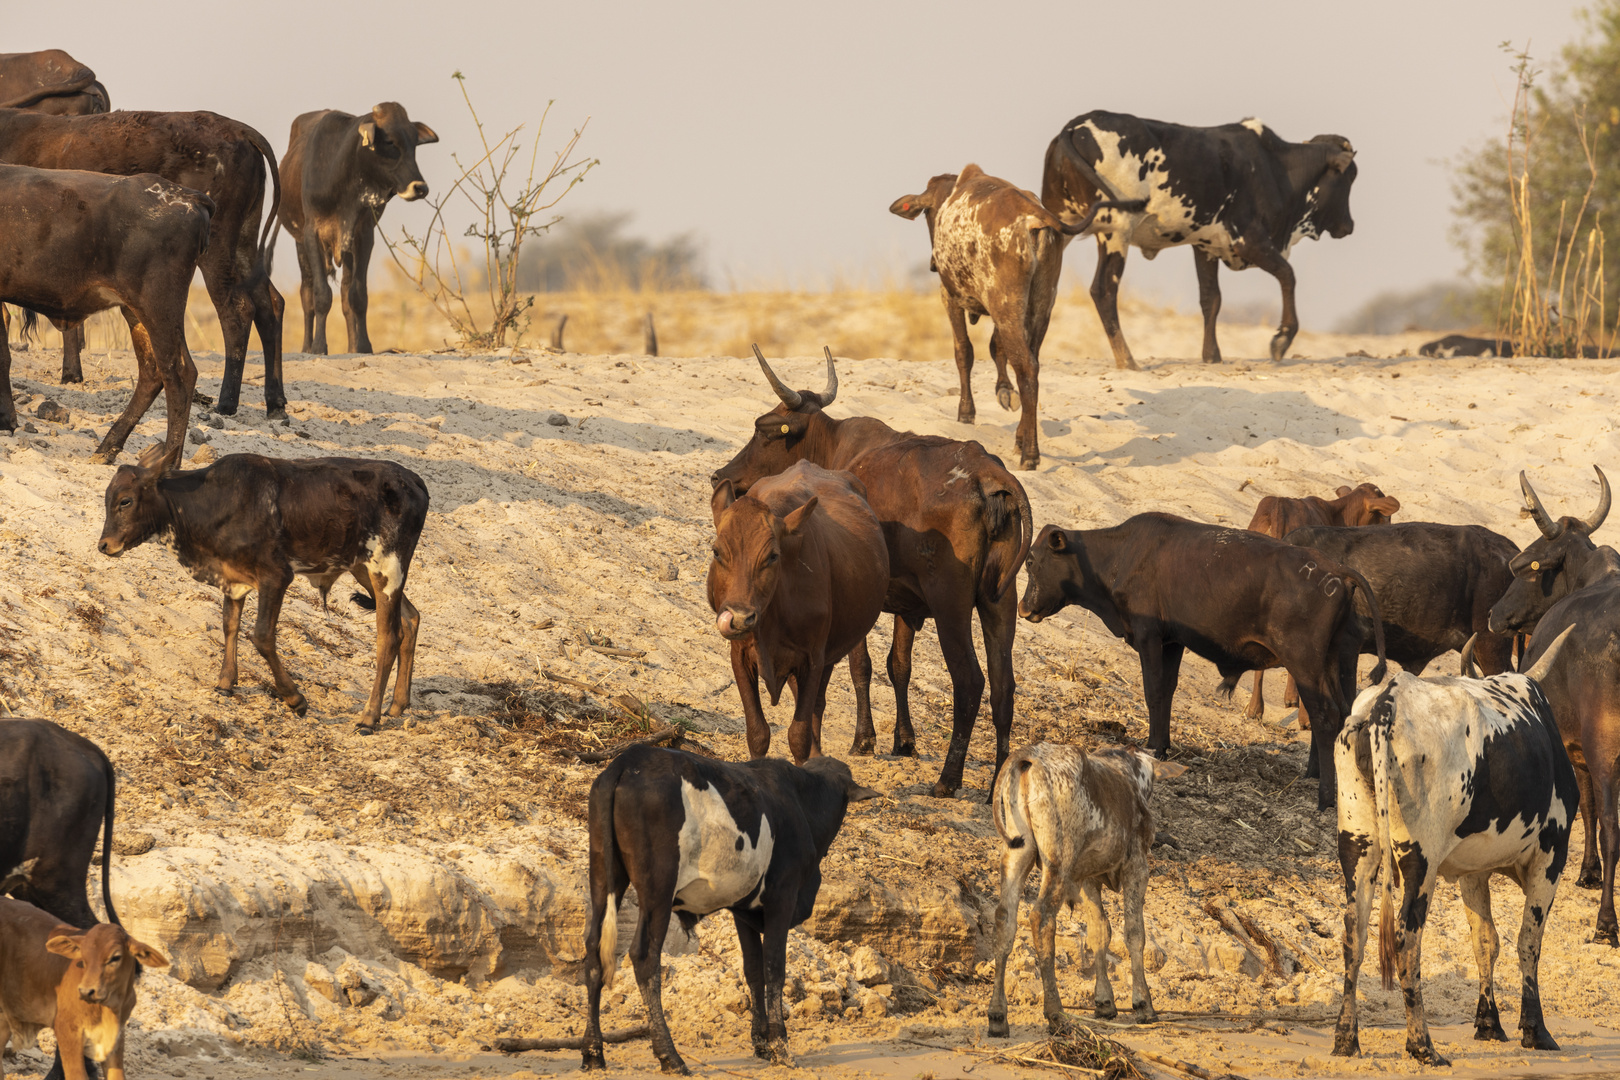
{"x":1591,"y":875}
{"x":1359,"y":863}
{"x":1476,"y":898}
{"x":1257,"y":698}
{"x":72,"y":352}
{"x":1209,"y":300}
{"x":1006,"y":396}
{"x":646,"y":953}
{"x":860,"y":676}
{"x":966,"y":413}
{"x":1017,"y":856}
{"x":1043,"y":935}
{"x":955,"y":627}
{"x":1098,"y":935}
{"x":410,"y":620}
{"x":1419,"y":879}
{"x":775,"y":948}
{"x":999,"y":621}
{"x":1538,"y":900}
{"x":271,"y":594}
{"x":1133,"y":890}
{"x":753,"y":962}
{"x":899,"y":664}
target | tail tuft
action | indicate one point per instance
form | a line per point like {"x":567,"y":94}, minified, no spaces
{"x":365,"y":600}
{"x":1386,"y":939}
{"x":610,"y":941}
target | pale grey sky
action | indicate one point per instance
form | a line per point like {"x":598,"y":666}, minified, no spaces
{"x":780,"y":133}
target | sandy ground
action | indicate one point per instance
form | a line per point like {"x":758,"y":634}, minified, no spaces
{"x":570,"y":507}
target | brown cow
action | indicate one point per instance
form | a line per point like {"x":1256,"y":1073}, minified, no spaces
{"x":797,"y":580}
{"x":1277,"y":516}
{"x":50,"y":81}
{"x":81,"y":984}
{"x":958,"y":527}
{"x":998,"y":252}
{"x":202,"y":151}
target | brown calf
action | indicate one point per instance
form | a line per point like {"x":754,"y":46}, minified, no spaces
{"x":797,"y":580}
{"x":1276,"y":516}
{"x":81,"y":984}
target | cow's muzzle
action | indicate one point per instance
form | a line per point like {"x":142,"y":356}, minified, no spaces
{"x":89,"y":993}
{"x":733,"y":624}
{"x":417,"y":189}
{"x":110,"y":545}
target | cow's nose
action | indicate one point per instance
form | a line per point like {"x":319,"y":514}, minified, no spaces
{"x":107,"y":547}
{"x":87,"y":993}
{"x":416,"y":190}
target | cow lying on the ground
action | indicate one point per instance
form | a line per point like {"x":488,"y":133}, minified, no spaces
{"x":1240,"y":600}
{"x":251,"y":523}
{"x":796,"y":581}
{"x":79,"y":983}
{"x":998,"y":252}
{"x":1454,"y":778}
{"x":75,"y":243}
{"x":341,"y":171}
{"x":1562,"y":579}
{"x":958,"y":527}
{"x":1086,"y":819}
{"x":224,"y":159}
{"x":50,"y":81}
{"x":1276,"y":516}
{"x":1462,"y":345}
{"x":56,"y":796}
{"x":1237,"y":193}
{"x":695,"y":836}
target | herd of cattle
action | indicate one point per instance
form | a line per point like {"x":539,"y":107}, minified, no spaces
{"x":822,"y":525}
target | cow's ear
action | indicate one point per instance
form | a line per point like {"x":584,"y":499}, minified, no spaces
{"x":1343,"y":490}
{"x":62,"y":945}
{"x":425,"y":134}
{"x":857,"y":793}
{"x":148,"y":956}
{"x":368,"y":133}
{"x":1388,"y":505}
{"x":1167,"y":770}
{"x":795,"y":521}
{"x":909,"y":206}
{"x":1058,"y":541}
{"x":775,"y":425}
{"x":723,"y":497}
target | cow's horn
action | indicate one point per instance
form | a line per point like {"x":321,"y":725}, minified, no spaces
{"x":1544,"y":665}
{"x":831,"y":392}
{"x":1602,"y":510}
{"x":1469,"y":668}
{"x":791,"y":398}
{"x":1543,"y":522}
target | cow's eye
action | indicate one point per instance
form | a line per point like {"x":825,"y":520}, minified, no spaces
{"x":771,"y":558}
{"x":125,"y":503}
{"x":114,"y":959}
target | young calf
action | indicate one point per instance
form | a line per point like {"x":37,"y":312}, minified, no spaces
{"x":1460,"y":778}
{"x":693,"y":836}
{"x":1085,"y":819}
{"x":81,"y":984}
{"x":249,"y":522}
{"x":798,"y":577}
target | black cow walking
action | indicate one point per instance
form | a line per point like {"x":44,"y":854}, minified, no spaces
{"x":1238,"y":193}
{"x":341,"y":171}
{"x":251,"y":523}
{"x":694,"y":836}
{"x":56,"y":796}
{"x":1241,"y":600}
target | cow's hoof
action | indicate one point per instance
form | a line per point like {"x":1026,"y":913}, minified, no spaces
{"x":942,"y":790}
{"x":999,"y":1028}
{"x":592,"y":1062}
{"x":1127,"y":365}
{"x":1006,"y":398}
{"x":298,"y":704}
{"x":779,"y":1054}
{"x":1426,"y":1053}
{"x":1255,"y":714}
{"x":863,"y":746}
{"x":68,"y":379}
{"x":1215,"y":359}
{"x":1593,"y":880}
{"x":1029,"y":464}
{"x":103,"y":457}
{"x":225,"y":691}
{"x":363,"y":728}
{"x":1537,"y":1038}
{"x":1606,"y":936}
{"x":1105,"y":1010}
{"x":1491,"y":1034}
{"x":277,"y":413}
{"x":1161,"y":753}
{"x":965,"y":416}
{"x":1145,"y":1014}
{"x":905,"y":749}
{"x":1346,"y":1045}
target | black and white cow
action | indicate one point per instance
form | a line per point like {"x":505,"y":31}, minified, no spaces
{"x":695,"y":836}
{"x":1460,"y":778}
{"x":1238,"y":193}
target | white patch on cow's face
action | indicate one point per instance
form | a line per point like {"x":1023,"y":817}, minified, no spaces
{"x":387,"y":576}
{"x":1168,"y":219}
{"x":101,"y":1034}
{"x":719,"y":866}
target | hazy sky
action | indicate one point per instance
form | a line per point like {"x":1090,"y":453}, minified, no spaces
{"x":780,"y":133}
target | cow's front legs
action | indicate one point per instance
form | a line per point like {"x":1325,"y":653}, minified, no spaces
{"x":860,"y":676}
{"x":1603,"y":780}
{"x":1105,"y":296}
{"x":1004,"y":389}
{"x":745,"y":669}
{"x":388,"y":640}
{"x":955,"y":629}
{"x":1209,"y":301}
{"x":646,"y":955}
{"x":965,"y":412}
{"x":1133,"y":891}
{"x":1540,"y":891}
{"x":804,"y":741}
{"x":271,"y":594}
{"x":1161,"y":669}
{"x":231,"y":622}
{"x":320,"y":282}
{"x":1257,"y":698}
{"x":1275,"y":264}
{"x":1476,"y":898}
{"x":1359,"y":862}
{"x":148,"y":381}
{"x":1015,"y":864}
{"x":355,"y":297}
{"x":753,"y":962}
{"x":8,"y":407}
{"x":73,"y":353}
{"x":899,"y":664}
{"x":777,"y":918}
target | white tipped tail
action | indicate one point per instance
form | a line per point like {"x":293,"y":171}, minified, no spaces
{"x":610,"y":941}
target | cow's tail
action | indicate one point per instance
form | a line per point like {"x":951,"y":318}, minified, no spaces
{"x":1005,"y":499}
{"x":1078,"y":160}
{"x":604,"y":860}
{"x":1006,"y":808}
{"x":107,"y":841}
{"x":1383,"y":770}
{"x":1130,"y":206}
{"x":1381,"y":668}
{"x":272,"y":222}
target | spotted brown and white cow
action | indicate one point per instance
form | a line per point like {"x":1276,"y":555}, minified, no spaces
{"x":1457,"y":778}
{"x":1085,"y":819}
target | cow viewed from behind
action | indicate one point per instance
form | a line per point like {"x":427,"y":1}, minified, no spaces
{"x":1085,"y":818}
{"x":1457,"y":778}
{"x":52,"y":82}
{"x":341,"y":171}
{"x":1238,"y":193}
{"x":249,"y":523}
{"x":694,"y":836}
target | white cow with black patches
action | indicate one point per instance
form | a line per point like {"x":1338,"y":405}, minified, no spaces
{"x":694,"y":836}
{"x":1457,"y":778}
{"x":1085,"y":819}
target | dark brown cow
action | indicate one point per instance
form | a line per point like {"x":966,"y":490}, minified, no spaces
{"x":250,"y":523}
{"x":998,"y":252}
{"x":1277,"y":516}
{"x":50,"y":81}
{"x":75,"y":243}
{"x":1240,"y":600}
{"x":341,"y":171}
{"x":958,"y":527}
{"x":203,"y":151}
{"x":796,"y":581}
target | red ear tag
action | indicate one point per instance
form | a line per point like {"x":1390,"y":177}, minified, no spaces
{"x":905,"y":206}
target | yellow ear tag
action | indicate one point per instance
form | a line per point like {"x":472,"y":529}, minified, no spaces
{"x":784,"y":429}
{"x":1535,"y":566}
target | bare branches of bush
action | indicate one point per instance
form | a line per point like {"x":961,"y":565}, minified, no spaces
{"x":503,"y":218}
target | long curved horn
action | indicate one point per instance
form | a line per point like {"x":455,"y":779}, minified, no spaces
{"x":831,"y":392}
{"x":1602,"y":510}
{"x":1544,"y":665}
{"x":1543,"y":521}
{"x":1469,"y":668}
{"x":791,"y":398}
